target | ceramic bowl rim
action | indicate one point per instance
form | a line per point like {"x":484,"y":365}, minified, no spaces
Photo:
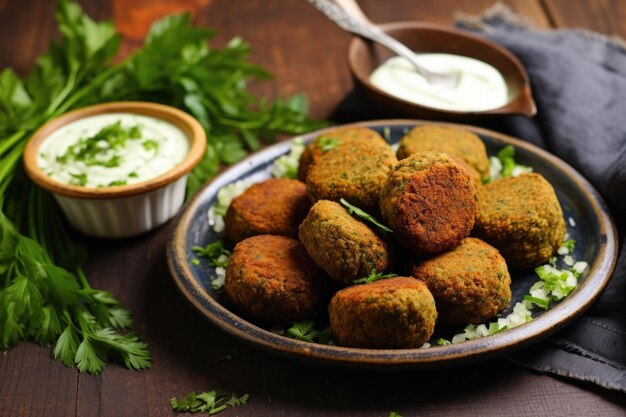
{"x":189,"y":125}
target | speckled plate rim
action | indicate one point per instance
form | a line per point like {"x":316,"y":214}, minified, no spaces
{"x":565,"y":312}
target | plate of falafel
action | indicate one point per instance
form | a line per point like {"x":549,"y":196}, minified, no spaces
{"x":394,"y":244}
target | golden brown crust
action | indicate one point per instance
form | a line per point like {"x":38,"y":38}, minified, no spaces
{"x":272,"y":278}
{"x":275,"y":206}
{"x":470,"y":283}
{"x":343,"y":246}
{"x":429,"y":202}
{"x":355,"y":171}
{"x":390,"y":313}
{"x":521,"y":217}
{"x":342,"y":135}
{"x":457,"y":143}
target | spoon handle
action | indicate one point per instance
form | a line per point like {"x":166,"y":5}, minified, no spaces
{"x":348,"y":15}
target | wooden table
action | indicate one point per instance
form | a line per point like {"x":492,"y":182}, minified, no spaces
{"x":307,"y":54}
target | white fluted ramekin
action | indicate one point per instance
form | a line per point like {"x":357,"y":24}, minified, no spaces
{"x":128,"y":210}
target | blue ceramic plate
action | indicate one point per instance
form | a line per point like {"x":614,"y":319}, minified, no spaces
{"x":594,"y":233}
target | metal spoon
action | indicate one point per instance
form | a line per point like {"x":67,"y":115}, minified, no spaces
{"x":348,"y":15}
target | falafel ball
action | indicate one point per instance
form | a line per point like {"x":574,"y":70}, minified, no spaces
{"x":275,"y":206}
{"x":333,"y":138}
{"x":392,"y":313}
{"x":273,"y":279}
{"x":429,"y":201}
{"x":470,"y":283}
{"x":521,"y":216}
{"x":355,"y":171}
{"x":458,"y":143}
{"x":343,"y":246}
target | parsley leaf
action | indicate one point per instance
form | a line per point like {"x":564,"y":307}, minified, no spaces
{"x":326,"y":143}
{"x":44,"y":295}
{"x":305,"y":330}
{"x":209,"y":402}
{"x":373,"y":277}
{"x":214,"y":252}
{"x":360,"y":213}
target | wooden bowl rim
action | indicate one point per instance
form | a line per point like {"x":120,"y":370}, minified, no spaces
{"x":189,"y":125}
{"x":523,"y":103}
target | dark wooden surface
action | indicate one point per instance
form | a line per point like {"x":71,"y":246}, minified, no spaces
{"x":307,"y":54}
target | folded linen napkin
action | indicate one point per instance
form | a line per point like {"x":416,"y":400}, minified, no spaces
{"x":578,"y":80}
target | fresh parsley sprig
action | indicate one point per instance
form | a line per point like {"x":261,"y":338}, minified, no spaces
{"x":365,"y":216}
{"x":305,"y":330}
{"x":44,"y":295}
{"x":209,"y":402}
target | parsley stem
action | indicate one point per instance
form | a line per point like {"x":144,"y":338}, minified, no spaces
{"x":96,"y":82}
{"x":82,"y":278}
{"x":69,"y":86}
{"x":11,"y":141}
{"x":8,"y":166}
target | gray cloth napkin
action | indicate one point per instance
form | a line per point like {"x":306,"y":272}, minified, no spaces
{"x":578,"y":80}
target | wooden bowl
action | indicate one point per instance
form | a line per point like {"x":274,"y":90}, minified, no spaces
{"x":364,"y":57}
{"x":126,"y":210}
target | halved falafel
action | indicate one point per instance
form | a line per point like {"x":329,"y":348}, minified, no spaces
{"x":429,"y":201}
{"x":275,"y":206}
{"x":470,"y":283}
{"x":521,"y":216}
{"x":458,"y":143}
{"x":343,"y":246}
{"x":273,"y":279}
{"x":393,"y":313}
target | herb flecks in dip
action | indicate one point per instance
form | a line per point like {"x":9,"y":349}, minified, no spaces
{"x":112,"y":149}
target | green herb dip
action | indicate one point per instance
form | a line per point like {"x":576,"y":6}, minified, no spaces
{"x":112,"y":149}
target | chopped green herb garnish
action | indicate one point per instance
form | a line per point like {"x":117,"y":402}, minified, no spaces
{"x":116,"y":183}
{"x":558,"y":282}
{"x":360,"y":213}
{"x":81,"y":179}
{"x":504,"y":165}
{"x":507,"y":158}
{"x":326,"y":144}
{"x":540,"y":302}
{"x":286,"y":166}
{"x":305,"y":330}
{"x":210,"y":402}
{"x":133,"y":175}
{"x":394,"y":414}
{"x":195,"y":261}
{"x":150,"y":145}
{"x":214,"y":252}
{"x":101,"y":148}
{"x":373,"y":277}
{"x":570,"y":244}
{"x":442,"y":342}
